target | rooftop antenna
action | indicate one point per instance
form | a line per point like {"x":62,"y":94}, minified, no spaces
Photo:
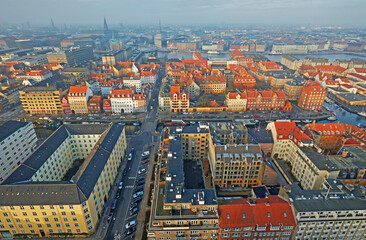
{"x":52,"y":24}
{"x":105,"y":26}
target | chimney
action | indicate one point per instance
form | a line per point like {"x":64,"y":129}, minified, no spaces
{"x":344,"y":154}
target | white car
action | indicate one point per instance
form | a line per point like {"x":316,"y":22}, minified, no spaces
{"x":141,"y":171}
{"x":120,"y":185}
{"x":138,"y":194}
{"x":130,"y":224}
{"x":146,"y":153}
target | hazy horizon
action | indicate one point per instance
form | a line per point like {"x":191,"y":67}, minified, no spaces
{"x":348,"y":13}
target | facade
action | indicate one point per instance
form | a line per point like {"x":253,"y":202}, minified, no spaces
{"x":95,"y":104}
{"x":262,"y":218}
{"x":237,"y":165}
{"x":71,"y":205}
{"x":265,"y":100}
{"x":41,"y":100}
{"x":182,"y":45}
{"x":291,"y":62}
{"x":334,"y":212}
{"x":65,"y":105}
{"x":124,"y":101}
{"x":106,"y":87}
{"x":13,"y":133}
{"x":73,"y":57}
{"x":133,"y":82}
{"x":107,"y":108}
{"x":179,"y":100}
{"x":312,"y":96}
{"x":117,"y":56}
{"x":316,"y":61}
{"x":236,"y":101}
{"x":212,"y":84}
{"x":78,"y":98}
{"x":293,"y":89}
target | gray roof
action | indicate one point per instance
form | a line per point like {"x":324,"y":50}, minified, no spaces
{"x":176,"y":185}
{"x":319,"y":160}
{"x":61,"y":192}
{"x":9,"y":128}
{"x":314,"y":200}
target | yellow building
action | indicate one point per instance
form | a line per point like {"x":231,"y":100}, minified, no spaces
{"x":41,"y":100}
{"x":78,"y":97}
{"x":195,"y":142}
{"x":41,"y":198}
{"x":236,"y":101}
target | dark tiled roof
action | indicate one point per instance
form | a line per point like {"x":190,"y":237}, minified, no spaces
{"x":9,"y":128}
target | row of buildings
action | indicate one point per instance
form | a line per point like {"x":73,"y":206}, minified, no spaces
{"x":186,"y":205}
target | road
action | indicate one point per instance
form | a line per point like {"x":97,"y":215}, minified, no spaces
{"x":140,"y":143}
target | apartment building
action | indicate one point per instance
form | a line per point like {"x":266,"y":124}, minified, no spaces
{"x":332,"y":69}
{"x":38,"y":75}
{"x":333,"y":212}
{"x":41,"y":100}
{"x":17,"y":142}
{"x":78,"y":98}
{"x":71,"y":205}
{"x":183,"y":207}
{"x":291,"y":62}
{"x":236,"y":165}
{"x":133,"y":83}
{"x":179,"y":100}
{"x":312,"y":96}
{"x":316,"y":61}
{"x":256,"y":218}
{"x":195,"y":141}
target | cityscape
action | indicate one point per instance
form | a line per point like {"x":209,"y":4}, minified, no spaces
{"x":183,"y":120}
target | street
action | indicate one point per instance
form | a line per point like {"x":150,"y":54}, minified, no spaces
{"x":140,"y":143}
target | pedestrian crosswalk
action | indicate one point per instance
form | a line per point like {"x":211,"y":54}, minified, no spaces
{"x":129,"y":186}
{"x":131,"y":177}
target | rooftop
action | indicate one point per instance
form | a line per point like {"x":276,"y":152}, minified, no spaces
{"x":9,"y":127}
{"x":355,"y":158}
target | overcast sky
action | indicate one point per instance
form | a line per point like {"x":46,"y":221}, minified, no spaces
{"x":91,"y":12}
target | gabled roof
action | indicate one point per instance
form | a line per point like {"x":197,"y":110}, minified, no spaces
{"x":289,"y":130}
{"x":270,"y":211}
{"x":78,"y":89}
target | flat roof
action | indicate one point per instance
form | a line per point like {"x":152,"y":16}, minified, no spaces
{"x":320,"y":161}
{"x":355,"y":159}
{"x":352,"y":97}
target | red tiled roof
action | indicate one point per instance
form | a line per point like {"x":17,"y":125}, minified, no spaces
{"x":78,"y":89}
{"x":286,"y":129}
{"x":360,"y":70}
{"x":121,"y":93}
{"x":330,"y":129}
{"x":271,"y":211}
{"x":358,"y":76}
{"x":233,"y":95}
{"x":333,"y":68}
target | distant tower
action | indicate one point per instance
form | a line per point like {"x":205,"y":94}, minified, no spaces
{"x":52,"y":24}
{"x":160,"y":26}
{"x":105,"y":27}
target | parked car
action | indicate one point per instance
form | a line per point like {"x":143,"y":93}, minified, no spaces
{"x":145,"y":161}
{"x":138,"y":189}
{"x":138,"y":194}
{"x":146,"y":153}
{"x":134,"y":211}
{"x":130,"y":230}
{"x":141,"y":171}
{"x":133,"y":205}
{"x":138,"y":199}
{"x":130,"y":224}
{"x":141,"y":182}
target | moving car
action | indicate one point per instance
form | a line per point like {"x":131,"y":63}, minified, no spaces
{"x":120,"y":185}
{"x":130,"y":155}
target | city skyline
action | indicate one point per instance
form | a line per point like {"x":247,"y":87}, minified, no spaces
{"x":249,"y":12}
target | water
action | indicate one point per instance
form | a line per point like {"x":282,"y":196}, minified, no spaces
{"x":181,"y":55}
{"x":345,"y":116}
{"x":331,"y":57}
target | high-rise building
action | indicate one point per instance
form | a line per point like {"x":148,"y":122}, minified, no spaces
{"x":17,"y":142}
